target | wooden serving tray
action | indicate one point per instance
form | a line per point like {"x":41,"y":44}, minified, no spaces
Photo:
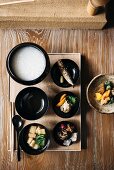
{"x":51,"y":89}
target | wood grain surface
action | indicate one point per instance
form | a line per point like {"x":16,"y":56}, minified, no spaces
{"x":50,"y":14}
{"x":97,"y":49}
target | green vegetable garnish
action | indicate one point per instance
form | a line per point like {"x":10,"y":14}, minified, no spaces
{"x":72,"y":99}
{"x":111,"y":100}
{"x":108,"y":85}
{"x":40,"y":140}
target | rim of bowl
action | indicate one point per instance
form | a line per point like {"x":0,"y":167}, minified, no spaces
{"x":88,"y":89}
{"x":17,"y":79}
{"x":47,"y":133}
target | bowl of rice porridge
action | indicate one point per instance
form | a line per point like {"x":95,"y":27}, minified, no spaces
{"x":28,"y":63}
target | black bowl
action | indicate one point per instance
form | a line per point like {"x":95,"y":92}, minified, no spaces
{"x":11,"y":56}
{"x":23,"y":136}
{"x":72,"y":68}
{"x":31,"y":103}
{"x":57,"y":129}
{"x":57,"y":110}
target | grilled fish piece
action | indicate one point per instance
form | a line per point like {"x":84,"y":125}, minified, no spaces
{"x":64,"y":72}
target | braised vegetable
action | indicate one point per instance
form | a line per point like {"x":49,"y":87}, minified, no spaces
{"x":67,"y":134}
{"x":105,"y":93}
{"x":66,"y":102}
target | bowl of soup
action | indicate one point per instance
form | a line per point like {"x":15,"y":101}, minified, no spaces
{"x":28,"y":63}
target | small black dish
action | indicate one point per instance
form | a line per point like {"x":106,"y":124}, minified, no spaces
{"x":11,"y":56}
{"x":31,"y":103}
{"x":23,"y":136}
{"x":72,"y":68}
{"x":57,"y":131}
{"x":57,"y":110}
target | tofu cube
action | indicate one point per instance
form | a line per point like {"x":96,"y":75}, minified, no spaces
{"x":32,"y":143}
{"x":32,"y":129}
{"x":36,"y":146}
{"x":31,"y":135}
{"x":29,"y":140}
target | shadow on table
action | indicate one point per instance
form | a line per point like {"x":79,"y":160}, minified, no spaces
{"x":86,"y":76}
{"x":109,"y":14}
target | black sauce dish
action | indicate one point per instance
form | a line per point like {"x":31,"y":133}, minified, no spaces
{"x":72,"y":69}
{"x":10,"y":59}
{"x":74,"y":108}
{"x":60,"y":130}
{"x":23,"y":136}
{"x":31,"y":103}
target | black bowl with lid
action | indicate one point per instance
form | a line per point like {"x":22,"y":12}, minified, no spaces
{"x":12,"y":56}
{"x":31,"y":103}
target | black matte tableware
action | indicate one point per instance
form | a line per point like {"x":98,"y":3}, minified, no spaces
{"x":31,"y":103}
{"x":57,"y":131}
{"x":10,"y":59}
{"x":71,"y":67}
{"x":18,"y":125}
{"x":57,"y":110}
{"x":23,"y":140}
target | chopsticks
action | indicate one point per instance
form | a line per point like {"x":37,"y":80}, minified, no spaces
{"x":14,"y":2}
{"x":12,"y":131}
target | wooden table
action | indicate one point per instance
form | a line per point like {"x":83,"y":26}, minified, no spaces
{"x":97,"y":49}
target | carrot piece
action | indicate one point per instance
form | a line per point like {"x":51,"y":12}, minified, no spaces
{"x":62,"y":97}
{"x":61,"y":102}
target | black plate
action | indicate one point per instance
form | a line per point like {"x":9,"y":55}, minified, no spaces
{"x":73,"y":69}
{"x":57,"y":128}
{"x":24,"y":136}
{"x":57,"y":110}
{"x":31,"y":103}
{"x":11,"y":56}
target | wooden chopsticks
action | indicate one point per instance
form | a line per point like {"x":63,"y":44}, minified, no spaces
{"x":9,"y":2}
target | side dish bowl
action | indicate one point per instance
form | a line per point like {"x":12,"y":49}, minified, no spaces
{"x":65,"y":104}
{"x":23,"y":140}
{"x":65,"y":133}
{"x":91,"y":90}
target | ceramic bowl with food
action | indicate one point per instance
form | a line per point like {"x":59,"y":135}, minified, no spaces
{"x":65,"y":133}
{"x":34,"y":139}
{"x":65,"y":73}
{"x":31,"y":103}
{"x":28,"y":63}
{"x":100,"y":93}
{"x":65,"y":104}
